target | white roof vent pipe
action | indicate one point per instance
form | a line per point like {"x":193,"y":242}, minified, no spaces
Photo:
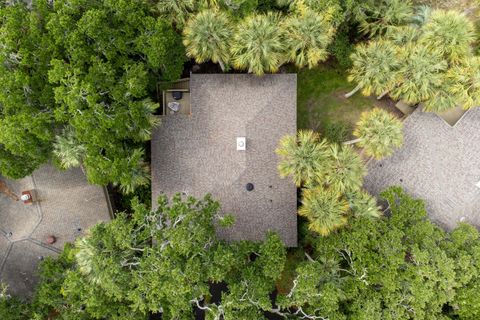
{"x":241,"y":143}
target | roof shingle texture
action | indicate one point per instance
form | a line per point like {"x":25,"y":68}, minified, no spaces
{"x":67,"y":206}
{"x":197,"y":154}
{"x":437,"y":163}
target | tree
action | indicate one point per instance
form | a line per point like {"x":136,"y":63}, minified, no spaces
{"x":420,"y":75}
{"x":12,"y":308}
{"x":258,"y":44}
{"x":465,"y":84}
{"x":376,"y":17}
{"x":87,"y":66}
{"x":103,"y":88}
{"x":26,"y":98}
{"x":207,"y":37}
{"x":449,"y":32}
{"x":374,"y":67}
{"x":346,"y":171}
{"x":302,"y":157}
{"x":324,"y":208}
{"x":362,"y":204}
{"x":379,"y":133}
{"x":68,"y":150}
{"x":176,"y":11}
{"x":309,"y":35}
{"x":422,"y":62}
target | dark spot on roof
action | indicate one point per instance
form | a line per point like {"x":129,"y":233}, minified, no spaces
{"x":249,"y":186}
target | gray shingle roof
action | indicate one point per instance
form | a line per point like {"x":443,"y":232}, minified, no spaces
{"x":197,"y":154}
{"x":438,"y":163}
{"x":67,"y":206}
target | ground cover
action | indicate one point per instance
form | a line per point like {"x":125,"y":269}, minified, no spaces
{"x":321,"y":105}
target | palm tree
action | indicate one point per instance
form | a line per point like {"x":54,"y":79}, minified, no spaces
{"x":308,"y":34}
{"x":421,"y":72}
{"x":325,"y":210}
{"x":137,"y":175}
{"x":465,"y":82}
{"x":176,"y":10}
{"x":378,"y":16}
{"x":206,"y":37}
{"x":449,"y":32}
{"x":379,"y":133}
{"x":443,"y":98}
{"x":362,"y":204}
{"x":68,"y":150}
{"x":302,"y":157}
{"x":404,"y":35}
{"x":346,"y":170}
{"x":259,"y":45}
{"x":373,"y":67}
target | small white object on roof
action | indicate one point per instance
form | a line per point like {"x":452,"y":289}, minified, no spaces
{"x":174,"y":106}
{"x":478,"y":184}
{"x":241,"y":143}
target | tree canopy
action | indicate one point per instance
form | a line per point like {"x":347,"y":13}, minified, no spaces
{"x":401,"y":266}
{"x":416,"y":62}
{"x":87,"y":69}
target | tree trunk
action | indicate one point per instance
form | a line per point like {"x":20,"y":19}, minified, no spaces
{"x":352,"y":141}
{"x":222,"y":66}
{"x":351,"y":93}
{"x":383,"y":94}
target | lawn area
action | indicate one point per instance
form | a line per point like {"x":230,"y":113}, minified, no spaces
{"x":321,"y":105}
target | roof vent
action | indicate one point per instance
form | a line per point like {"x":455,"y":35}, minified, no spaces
{"x":249,"y":186}
{"x":241,"y":143}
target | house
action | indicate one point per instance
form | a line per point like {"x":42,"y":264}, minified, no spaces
{"x":65,"y":205}
{"x":440,"y":163}
{"x":225,"y":145}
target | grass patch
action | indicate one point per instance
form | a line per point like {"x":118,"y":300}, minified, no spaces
{"x":321,"y":105}
{"x":285,"y":283}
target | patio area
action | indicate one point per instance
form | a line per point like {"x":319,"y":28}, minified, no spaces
{"x":438,"y":163}
{"x":66,"y":207}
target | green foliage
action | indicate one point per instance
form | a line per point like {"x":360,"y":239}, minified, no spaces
{"x":176,"y":11}
{"x":12,"y":308}
{"x":373,"y":66}
{"x":379,"y":132}
{"x":258,"y":44}
{"x":207,"y":36}
{"x":376,"y":17}
{"x":398,"y":267}
{"x":68,"y":150}
{"x":26,"y":98}
{"x":402,"y":267}
{"x":341,"y":48}
{"x":302,"y":157}
{"x":420,"y":63}
{"x":346,"y":170}
{"x":308,"y":35}
{"x":336,"y":132}
{"x":239,"y":8}
{"x":362,"y":204}
{"x":324,"y":208}
{"x":332,"y":176}
{"x":449,"y":32}
{"x":88,"y":67}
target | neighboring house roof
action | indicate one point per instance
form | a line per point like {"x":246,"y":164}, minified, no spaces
{"x":197,"y":154}
{"x":438,"y":163}
{"x":67,"y":206}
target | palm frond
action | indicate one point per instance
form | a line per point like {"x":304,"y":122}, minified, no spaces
{"x":380,"y":133}
{"x":324,"y":208}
